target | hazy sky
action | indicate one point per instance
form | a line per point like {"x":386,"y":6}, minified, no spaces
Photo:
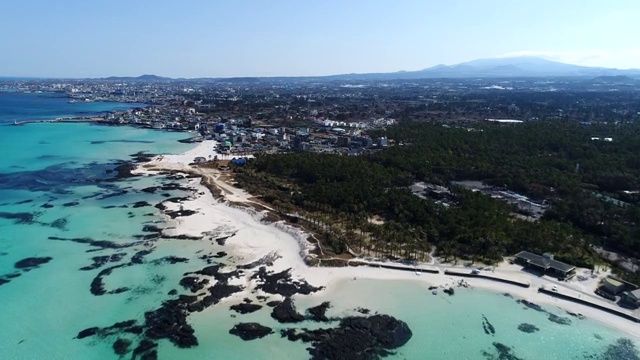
{"x":211,"y":38}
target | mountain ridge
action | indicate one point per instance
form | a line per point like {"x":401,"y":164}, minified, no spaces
{"x":506,"y":67}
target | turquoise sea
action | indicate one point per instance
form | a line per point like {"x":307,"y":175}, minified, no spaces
{"x":61,"y":204}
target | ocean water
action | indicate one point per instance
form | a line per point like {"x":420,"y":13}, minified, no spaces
{"x":17,"y":107}
{"x":57,"y":191}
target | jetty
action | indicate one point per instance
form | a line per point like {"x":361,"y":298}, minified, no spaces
{"x":71,"y":119}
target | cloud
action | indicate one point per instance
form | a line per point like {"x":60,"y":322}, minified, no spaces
{"x":616,"y":58}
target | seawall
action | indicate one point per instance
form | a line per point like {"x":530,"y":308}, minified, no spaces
{"x":488,"y":277}
{"x":589,"y":303}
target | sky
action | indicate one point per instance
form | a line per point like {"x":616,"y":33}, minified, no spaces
{"x":226,"y":38}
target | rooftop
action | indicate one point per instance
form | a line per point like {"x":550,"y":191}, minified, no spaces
{"x":545,"y":262}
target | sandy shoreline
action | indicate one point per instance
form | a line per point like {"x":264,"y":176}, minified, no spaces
{"x":254,"y":239}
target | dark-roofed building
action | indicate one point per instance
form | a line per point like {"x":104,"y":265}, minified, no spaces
{"x":545,"y":264}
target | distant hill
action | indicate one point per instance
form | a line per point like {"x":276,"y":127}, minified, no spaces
{"x":513,"y":67}
{"x":498,"y":68}
{"x":138,"y":78}
{"x":615,"y":80}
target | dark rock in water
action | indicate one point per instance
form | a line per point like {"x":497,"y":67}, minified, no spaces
{"x":357,"y":338}
{"x":150,"y":189}
{"x":72,"y":203}
{"x":449,"y":291}
{"x":528,"y":328}
{"x":151,"y":228}
{"x":531,"y":305}
{"x":318,"y":312}
{"x":219,"y":254}
{"x":87,"y":332}
{"x":183,"y":237}
{"x":31,"y":263}
{"x":12,"y":276}
{"x":622,"y":349}
{"x":169,"y":260}
{"x":150,"y":236}
{"x":46,"y":206}
{"x":138,"y":258}
{"x":559,"y":320}
{"x":19,"y":218}
{"x":151,"y":355}
{"x":245,"y":308}
{"x":99,"y":261}
{"x":221,"y":241}
{"x":107,"y":331}
{"x":145,"y":347}
{"x":172,"y":292}
{"x":140,"y":204}
{"x":24,"y":202}
{"x":124,"y":170}
{"x":100,"y":244}
{"x":114,"y":194}
{"x":170,"y":322}
{"x":363,"y":311}
{"x":507,"y":295}
{"x":60,"y":223}
{"x":220,"y":291}
{"x":504,"y":352}
{"x":121,"y":346}
{"x":97,"y":286}
{"x":180,"y":213}
{"x":285,"y":312}
{"x":4,"y":281}
{"x":141,"y":156}
{"x":214,"y":270}
{"x":487,"y":326}
{"x":137,"y":330}
{"x":578,"y":315}
{"x":193,"y":283}
{"x":281,"y":283}
{"x":250,"y":331}
{"x":274,"y":303}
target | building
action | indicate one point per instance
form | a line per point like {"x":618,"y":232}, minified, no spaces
{"x":612,"y":286}
{"x":631,"y":298}
{"x":344,"y":141}
{"x":545,"y":264}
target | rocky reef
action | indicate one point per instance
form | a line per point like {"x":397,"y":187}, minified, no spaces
{"x":250,"y":331}
{"x":357,"y":338}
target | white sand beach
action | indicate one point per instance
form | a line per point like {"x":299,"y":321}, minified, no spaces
{"x":254,"y":239}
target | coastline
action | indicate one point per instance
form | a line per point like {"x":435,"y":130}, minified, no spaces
{"x":212,"y":196}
